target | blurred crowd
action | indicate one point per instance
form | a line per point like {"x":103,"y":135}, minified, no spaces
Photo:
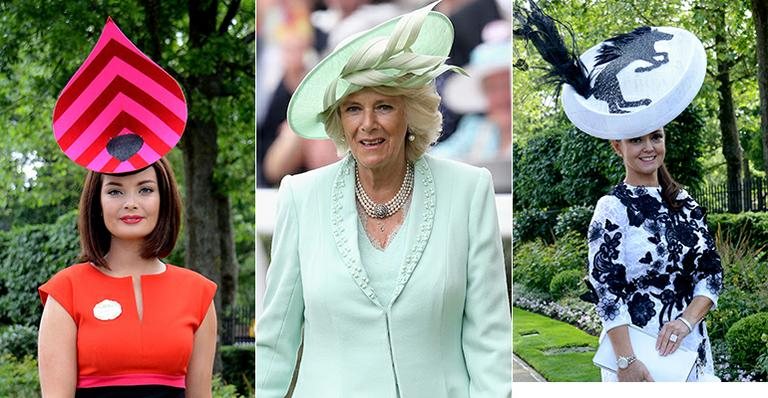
{"x":293,"y":35}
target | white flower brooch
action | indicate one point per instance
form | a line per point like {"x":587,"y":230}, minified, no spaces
{"x":107,"y":310}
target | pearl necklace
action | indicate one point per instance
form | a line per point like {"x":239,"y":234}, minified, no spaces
{"x":384,"y":210}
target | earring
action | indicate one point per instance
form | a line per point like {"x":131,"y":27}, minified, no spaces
{"x":411,"y":137}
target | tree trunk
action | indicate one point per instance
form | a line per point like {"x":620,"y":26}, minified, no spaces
{"x":229,"y":264}
{"x":729,"y":132}
{"x":203,"y":251}
{"x":760,"y":18}
{"x":210,"y":246}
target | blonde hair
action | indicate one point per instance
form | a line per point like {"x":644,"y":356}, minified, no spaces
{"x":422,"y":114}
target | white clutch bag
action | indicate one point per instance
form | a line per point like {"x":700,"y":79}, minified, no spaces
{"x":674,"y":367}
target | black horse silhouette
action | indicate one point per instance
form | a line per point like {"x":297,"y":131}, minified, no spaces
{"x":623,"y":50}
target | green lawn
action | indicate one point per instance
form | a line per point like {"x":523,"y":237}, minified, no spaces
{"x":557,"y":350}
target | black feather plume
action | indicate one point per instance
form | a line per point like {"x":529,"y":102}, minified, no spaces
{"x":565,"y":66}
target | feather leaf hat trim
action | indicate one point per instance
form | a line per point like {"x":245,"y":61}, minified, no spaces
{"x":120,"y":111}
{"x":407,"y":51}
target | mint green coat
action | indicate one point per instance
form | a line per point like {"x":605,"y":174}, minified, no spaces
{"x":446,"y":330}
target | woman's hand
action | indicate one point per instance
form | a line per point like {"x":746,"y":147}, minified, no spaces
{"x":671,"y":336}
{"x":636,"y":371}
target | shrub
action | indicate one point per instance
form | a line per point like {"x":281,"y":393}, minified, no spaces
{"x":19,"y":341}
{"x":574,"y":218}
{"x":29,"y":256}
{"x":532,"y":224}
{"x":566,"y":283}
{"x":220,"y":389}
{"x":537,"y":176}
{"x":745,"y":290}
{"x":239,"y":363}
{"x":736,"y":225}
{"x":744,"y":263}
{"x":18,"y":377}
{"x":589,"y":168}
{"x":536,"y":263}
{"x":744,"y":339}
{"x":762,"y":361}
{"x":732,"y":305}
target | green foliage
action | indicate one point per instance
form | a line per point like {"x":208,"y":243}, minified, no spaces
{"x":733,"y":305}
{"x":744,"y":339}
{"x":566,"y":283}
{"x":536,"y":263}
{"x":744,"y":266}
{"x":745,"y":280}
{"x":574,"y":218}
{"x":589,"y":167}
{"x":685,"y":147}
{"x":531,"y":224}
{"x":18,"y":377}
{"x":537,"y":176}
{"x":220,"y":389}
{"x":762,"y":361}
{"x":734,"y":225}
{"x":239,"y":363}
{"x":19,"y":341}
{"x":29,"y":256}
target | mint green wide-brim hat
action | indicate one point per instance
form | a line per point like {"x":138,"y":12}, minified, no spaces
{"x":407,"y":51}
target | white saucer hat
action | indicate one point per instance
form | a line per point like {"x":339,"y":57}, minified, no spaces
{"x":626,"y":86}
{"x":650,"y":76}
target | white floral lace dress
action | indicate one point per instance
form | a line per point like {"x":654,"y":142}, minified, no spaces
{"x":646,"y":264}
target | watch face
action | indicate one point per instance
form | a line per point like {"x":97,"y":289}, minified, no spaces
{"x":622,"y":363}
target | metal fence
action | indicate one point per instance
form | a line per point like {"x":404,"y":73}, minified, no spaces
{"x":237,"y":326}
{"x":734,"y":198}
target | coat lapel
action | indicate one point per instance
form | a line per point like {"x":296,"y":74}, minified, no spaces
{"x":344,"y":226}
{"x":423,"y":212}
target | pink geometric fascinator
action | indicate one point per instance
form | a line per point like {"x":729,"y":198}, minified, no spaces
{"x":120,"y":111}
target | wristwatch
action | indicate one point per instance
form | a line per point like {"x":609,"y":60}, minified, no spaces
{"x":624,"y":362}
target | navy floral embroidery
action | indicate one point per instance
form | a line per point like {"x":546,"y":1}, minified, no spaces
{"x":641,"y":309}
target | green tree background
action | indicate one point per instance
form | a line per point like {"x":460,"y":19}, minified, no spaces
{"x":695,"y":151}
{"x":208,"y":46}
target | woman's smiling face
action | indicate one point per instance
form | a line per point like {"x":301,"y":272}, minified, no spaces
{"x":642,"y":157}
{"x":374,"y":127}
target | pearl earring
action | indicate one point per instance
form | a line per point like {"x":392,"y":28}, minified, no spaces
{"x":411,"y":137}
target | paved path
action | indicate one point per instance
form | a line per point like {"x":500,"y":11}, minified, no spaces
{"x":522,"y":372}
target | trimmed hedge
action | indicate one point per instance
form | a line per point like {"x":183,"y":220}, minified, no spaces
{"x":19,"y":341}
{"x":744,"y":339}
{"x":566,"y":283}
{"x":753,"y":225}
{"x":18,"y":377}
{"x":29,"y":256}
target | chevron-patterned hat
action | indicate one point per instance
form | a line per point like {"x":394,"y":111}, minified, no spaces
{"x":120,"y":111}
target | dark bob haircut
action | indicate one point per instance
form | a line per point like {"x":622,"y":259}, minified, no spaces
{"x":95,"y":239}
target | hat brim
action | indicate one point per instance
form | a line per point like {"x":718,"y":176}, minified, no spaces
{"x":675,"y":91}
{"x":306,"y":105}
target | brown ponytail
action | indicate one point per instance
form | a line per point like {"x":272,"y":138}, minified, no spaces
{"x":669,"y":188}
